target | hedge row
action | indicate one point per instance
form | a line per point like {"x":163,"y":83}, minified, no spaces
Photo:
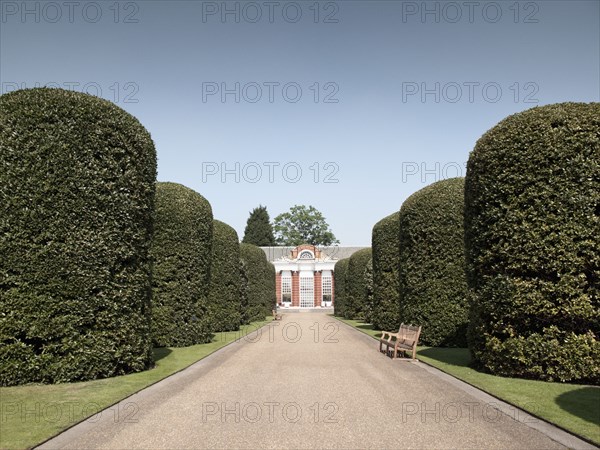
{"x":98,"y":262}
{"x":385,"y":243}
{"x":260,"y":291}
{"x":532,"y":221}
{"x":369,"y":291}
{"x":181,"y":250}
{"x":357,"y":282}
{"x":432,"y":281}
{"x":339,"y":287}
{"x":225,"y":282}
{"x":76,"y":211}
{"x":243,"y":271}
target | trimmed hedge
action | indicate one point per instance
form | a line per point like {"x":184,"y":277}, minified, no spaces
{"x":245,"y":311}
{"x":261,"y":282}
{"x":433,"y":285}
{"x":385,"y":243}
{"x":77,"y":178}
{"x":532,"y":221}
{"x":182,"y":252}
{"x":339,"y":287}
{"x":369,"y":292}
{"x":356,"y":285}
{"x":270,"y":288}
{"x":224,"y":292}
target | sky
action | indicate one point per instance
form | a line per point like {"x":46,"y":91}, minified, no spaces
{"x":349,"y":106}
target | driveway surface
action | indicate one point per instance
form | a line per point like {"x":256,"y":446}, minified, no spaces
{"x":307,"y":381}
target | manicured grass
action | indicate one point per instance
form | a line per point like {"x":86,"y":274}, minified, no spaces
{"x":31,"y":414}
{"x":573,"y":407}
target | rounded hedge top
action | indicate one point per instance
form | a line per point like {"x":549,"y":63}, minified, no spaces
{"x":224,"y":293}
{"x":339,"y":287}
{"x":532,"y":193}
{"x":385,"y":243}
{"x":261,"y":295}
{"x":356,"y":291}
{"x":182,"y":251}
{"x":77,"y":190}
{"x":532,"y":221}
{"x":433,"y":286}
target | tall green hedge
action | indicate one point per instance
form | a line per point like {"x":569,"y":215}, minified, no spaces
{"x":181,"y":250}
{"x":433,"y":285}
{"x":261,"y":282}
{"x":270,"y":289}
{"x":369,"y":287}
{"x":532,"y":227}
{"x":77,"y":178}
{"x":224,"y":291}
{"x":244,"y":305}
{"x":339,"y":287}
{"x":385,"y":243}
{"x":356,"y":285}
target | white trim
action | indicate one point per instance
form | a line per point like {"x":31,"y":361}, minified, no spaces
{"x":304,"y":265}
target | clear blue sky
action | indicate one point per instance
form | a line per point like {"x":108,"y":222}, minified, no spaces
{"x":416,"y":84}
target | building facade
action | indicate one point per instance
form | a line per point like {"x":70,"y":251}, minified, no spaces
{"x":304,"y":274}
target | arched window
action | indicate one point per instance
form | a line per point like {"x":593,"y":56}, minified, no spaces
{"x":306,"y":254}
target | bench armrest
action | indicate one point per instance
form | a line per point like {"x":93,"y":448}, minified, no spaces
{"x":390,"y":335}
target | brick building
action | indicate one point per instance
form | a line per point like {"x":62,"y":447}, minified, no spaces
{"x":304,"y":274}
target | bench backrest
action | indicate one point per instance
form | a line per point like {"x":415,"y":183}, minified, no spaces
{"x":409,"y":333}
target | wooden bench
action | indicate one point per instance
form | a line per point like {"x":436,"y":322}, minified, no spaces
{"x":405,"y":340}
{"x":276,"y":316}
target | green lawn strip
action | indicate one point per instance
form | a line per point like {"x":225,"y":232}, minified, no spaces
{"x":31,"y":414}
{"x":574,"y":407}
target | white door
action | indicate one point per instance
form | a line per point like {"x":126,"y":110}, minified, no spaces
{"x":307,"y":290}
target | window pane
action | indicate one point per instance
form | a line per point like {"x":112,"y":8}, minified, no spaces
{"x":286,"y":288}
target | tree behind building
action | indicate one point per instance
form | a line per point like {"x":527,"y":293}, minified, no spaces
{"x":303,"y":225}
{"x":259,"y":230}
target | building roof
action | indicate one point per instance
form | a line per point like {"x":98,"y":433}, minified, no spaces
{"x":334,"y":252}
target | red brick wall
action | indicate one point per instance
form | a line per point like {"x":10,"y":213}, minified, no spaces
{"x":278,"y":286}
{"x":295,"y":288}
{"x":295,"y":252}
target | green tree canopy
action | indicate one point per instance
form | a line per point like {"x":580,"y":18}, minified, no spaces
{"x":259,"y":230}
{"x":303,"y":225}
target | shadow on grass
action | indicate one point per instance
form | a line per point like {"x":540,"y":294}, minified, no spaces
{"x":160,"y":353}
{"x":583,"y":403}
{"x":452,"y":356}
{"x":368,"y":326}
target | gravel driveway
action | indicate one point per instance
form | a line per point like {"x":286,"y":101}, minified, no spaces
{"x":307,"y":381}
